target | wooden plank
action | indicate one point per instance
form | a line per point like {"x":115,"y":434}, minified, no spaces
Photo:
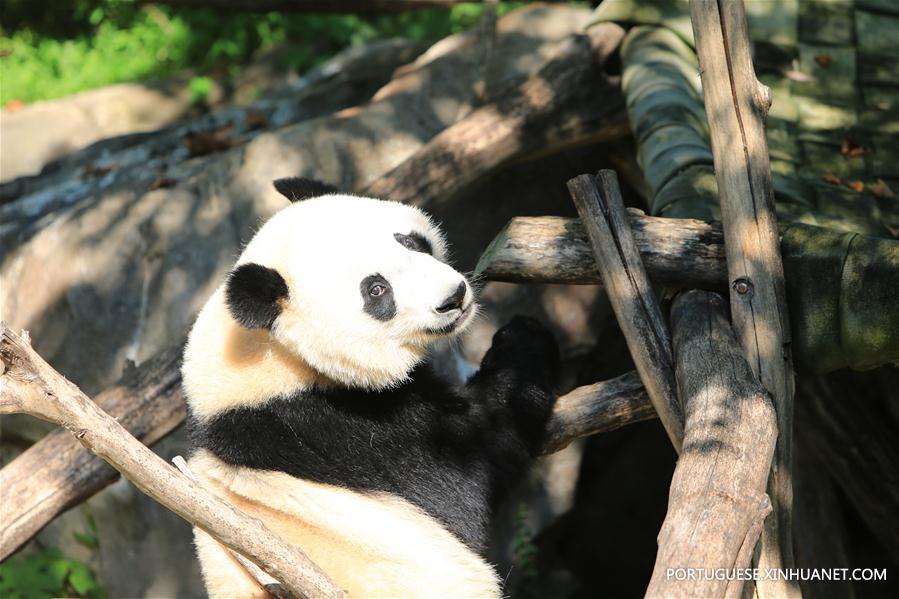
{"x":736,"y":105}
{"x":717,"y":502}
{"x":632,"y":298}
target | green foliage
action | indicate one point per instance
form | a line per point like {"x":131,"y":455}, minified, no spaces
{"x":50,"y":49}
{"x":200,"y":88}
{"x":47,"y":574}
{"x":524,"y":551}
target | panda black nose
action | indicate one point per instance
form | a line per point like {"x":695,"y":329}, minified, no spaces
{"x":453,"y":302}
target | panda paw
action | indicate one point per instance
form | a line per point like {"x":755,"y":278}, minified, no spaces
{"x":525,"y":344}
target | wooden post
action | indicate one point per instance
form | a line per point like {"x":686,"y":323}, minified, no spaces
{"x":737,"y":105}
{"x":630,"y":294}
{"x":717,"y":502}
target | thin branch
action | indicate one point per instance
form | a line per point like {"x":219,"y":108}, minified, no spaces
{"x":28,"y":384}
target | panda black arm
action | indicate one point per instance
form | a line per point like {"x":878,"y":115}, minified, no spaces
{"x":517,"y":378}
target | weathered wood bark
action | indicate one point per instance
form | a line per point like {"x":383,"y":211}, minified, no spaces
{"x":549,"y":112}
{"x":271,"y":586}
{"x":736,"y":105}
{"x":57,"y":472}
{"x":29,"y":385}
{"x":717,"y":502}
{"x":843,"y":288}
{"x":598,"y":201}
{"x":597,"y":408}
{"x":555,"y":249}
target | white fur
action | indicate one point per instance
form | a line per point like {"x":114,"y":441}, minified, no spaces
{"x":323,"y":248}
{"x":372,"y":546}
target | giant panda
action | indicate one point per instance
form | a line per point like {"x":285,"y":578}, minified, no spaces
{"x":313,"y":408}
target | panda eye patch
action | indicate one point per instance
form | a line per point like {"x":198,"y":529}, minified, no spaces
{"x":414,"y":241}
{"x":377,"y":297}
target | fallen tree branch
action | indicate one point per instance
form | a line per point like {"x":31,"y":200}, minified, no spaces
{"x":736,"y":105}
{"x":717,"y":502}
{"x":598,"y":201}
{"x":29,"y":385}
{"x":56,"y":473}
{"x":549,"y":112}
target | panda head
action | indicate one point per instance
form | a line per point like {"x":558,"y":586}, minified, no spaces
{"x":357,"y":288}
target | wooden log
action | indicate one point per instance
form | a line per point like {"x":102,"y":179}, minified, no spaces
{"x":597,"y":408}
{"x":717,"y":502}
{"x":549,"y":112}
{"x":57,"y":473}
{"x":555,"y":249}
{"x":598,"y":201}
{"x":737,"y":105}
{"x":29,"y":385}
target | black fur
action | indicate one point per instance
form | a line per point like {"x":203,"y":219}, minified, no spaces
{"x":296,"y":189}
{"x":415,"y":242}
{"x":253,"y":294}
{"x":454,"y":452}
{"x":380,"y":307}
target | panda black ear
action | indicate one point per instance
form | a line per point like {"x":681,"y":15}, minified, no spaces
{"x":301,"y":188}
{"x":253,"y":294}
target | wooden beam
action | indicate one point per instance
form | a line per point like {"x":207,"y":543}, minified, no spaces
{"x":737,"y":105}
{"x":717,"y":504}
{"x":29,"y":385}
{"x":555,"y":249}
{"x":598,"y":201}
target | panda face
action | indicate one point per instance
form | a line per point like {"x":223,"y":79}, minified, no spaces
{"x":357,"y":288}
